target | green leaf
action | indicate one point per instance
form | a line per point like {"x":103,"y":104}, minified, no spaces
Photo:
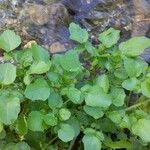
{"x":103,"y":82}
{"x":77,"y":33}
{"x":10,"y":146}
{"x":91,"y":142}
{"x":121,"y":144}
{"x":91,"y":131}
{"x":9,"y":108}
{"x":74,"y":95}
{"x":53,"y":77}
{"x":130,"y":84}
{"x":23,"y":57}
{"x":70,"y":61}
{"x":27,"y":79}
{"x":55,"y":100}
{"x":125,"y":122}
{"x":135,"y":67}
{"x":7,"y":73}
{"x":90,"y":48}
{"x":142,"y":129}
{"x":134,"y":46}
{"x":118,"y":96}
{"x":1,"y":127}
{"x":35,"y":121}
{"x":95,"y":112}
{"x":52,"y":147}
{"x":40,"y":67}
{"x":2,"y":135}
{"x":39,"y":90}
{"x":109,"y":37}
{"x":9,"y":40}
{"x":74,"y":122}
{"x":66,"y":133}
{"x":145,"y":87}
{"x":116,"y":116}
{"x":98,"y":98}
{"x":64,"y":114}
{"x":21,"y":126}
{"x":39,"y":53}
{"x":121,"y":73}
{"x":50,"y":119}
{"x":22,"y":146}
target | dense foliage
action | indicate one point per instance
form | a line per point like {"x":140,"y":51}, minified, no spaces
{"x":89,"y":98}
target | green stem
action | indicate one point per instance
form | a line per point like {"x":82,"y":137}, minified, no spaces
{"x":72,"y":143}
{"x":136,"y":105}
{"x":129,"y":98}
{"x":64,"y":104}
{"x":1,"y":87}
{"x":50,"y":142}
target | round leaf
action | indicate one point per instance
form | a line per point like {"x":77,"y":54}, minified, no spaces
{"x":98,"y":98}
{"x":40,"y":67}
{"x":35,"y":121}
{"x":9,"y":40}
{"x":70,"y":61}
{"x":7,"y":73}
{"x":64,"y":114}
{"x":22,"y":146}
{"x":103,"y":82}
{"x":77,"y":33}
{"x":91,"y":142}
{"x":135,"y":67}
{"x":134,"y":46}
{"x":39,"y":90}
{"x":50,"y":119}
{"x":9,"y":108}
{"x":74,"y":95}
{"x":118,"y":96}
{"x":142,"y":129}
{"x":109,"y":37}
{"x":66,"y":133}
{"x":55,"y":100}
{"x":95,"y":112}
{"x":145,"y":87}
{"x":130,"y":84}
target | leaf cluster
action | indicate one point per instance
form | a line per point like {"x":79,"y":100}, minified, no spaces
{"x":97,"y":96}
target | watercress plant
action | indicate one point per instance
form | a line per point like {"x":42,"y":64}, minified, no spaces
{"x":91,"y":97}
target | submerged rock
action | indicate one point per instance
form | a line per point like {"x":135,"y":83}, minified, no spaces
{"x":57,"y":47}
{"x":54,"y":14}
{"x":141,"y":20}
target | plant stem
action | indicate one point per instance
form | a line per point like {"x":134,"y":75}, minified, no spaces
{"x":72,"y":143}
{"x":1,"y":87}
{"x":136,"y":105}
{"x":50,"y":142}
{"x":64,"y":104}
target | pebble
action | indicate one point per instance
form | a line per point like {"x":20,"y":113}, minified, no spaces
{"x":57,"y":47}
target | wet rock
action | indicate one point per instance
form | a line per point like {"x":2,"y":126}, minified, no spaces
{"x":46,"y":25}
{"x":141,"y":20}
{"x":57,"y":47}
{"x":146,"y":55}
{"x":38,"y":14}
{"x":81,"y":7}
{"x":58,"y":13}
{"x":46,"y":21}
{"x":141,"y":23}
{"x":54,"y":14}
